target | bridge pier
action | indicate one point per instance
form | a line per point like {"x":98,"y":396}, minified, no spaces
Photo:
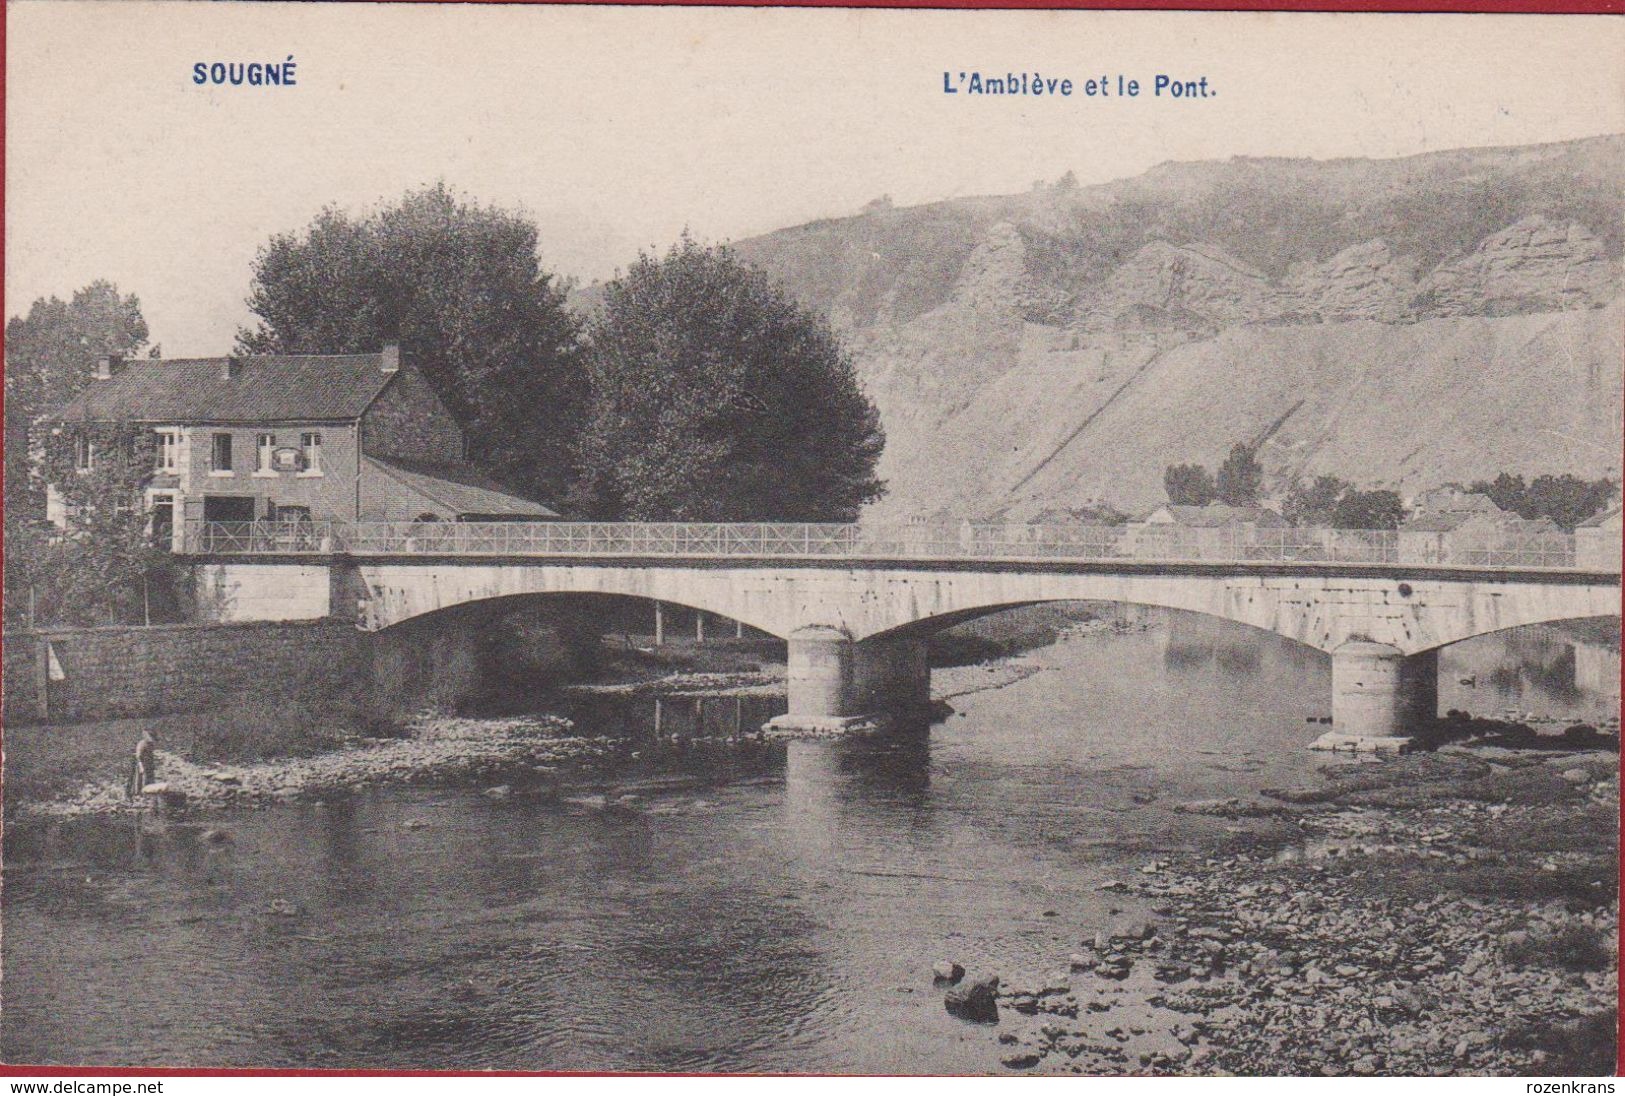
{"x":834,"y":683}
{"x":1380,"y":696}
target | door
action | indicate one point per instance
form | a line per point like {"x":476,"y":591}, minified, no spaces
{"x":163,"y":521}
{"x":228,"y":507}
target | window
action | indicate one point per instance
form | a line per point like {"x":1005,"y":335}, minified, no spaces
{"x":84,"y":452}
{"x":264,"y":450}
{"x":220,"y":453}
{"x":169,"y":451}
{"x":311,"y":446}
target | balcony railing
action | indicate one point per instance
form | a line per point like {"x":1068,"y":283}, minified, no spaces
{"x":705,"y":540}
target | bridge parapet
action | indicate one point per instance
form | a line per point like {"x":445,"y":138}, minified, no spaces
{"x":966,"y":541}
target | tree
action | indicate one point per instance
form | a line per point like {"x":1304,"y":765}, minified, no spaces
{"x":103,"y":566}
{"x":1507,"y":491}
{"x":1188,"y":485}
{"x":1314,"y":503}
{"x":460,"y":286}
{"x":1240,"y":477}
{"x":50,"y":356}
{"x":717,"y":398}
{"x":1368,"y":510}
{"x":1566,"y":499}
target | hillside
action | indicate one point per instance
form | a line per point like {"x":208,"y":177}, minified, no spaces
{"x":1400,"y":322}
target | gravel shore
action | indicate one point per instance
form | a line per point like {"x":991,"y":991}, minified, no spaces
{"x":434,"y":749}
{"x":1448,"y":913}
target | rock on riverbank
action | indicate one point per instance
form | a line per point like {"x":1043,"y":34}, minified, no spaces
{"x":1433,"y":914}
{"x":434,"y":749}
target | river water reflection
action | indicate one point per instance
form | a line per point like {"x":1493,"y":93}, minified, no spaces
{"x":763,"y":907}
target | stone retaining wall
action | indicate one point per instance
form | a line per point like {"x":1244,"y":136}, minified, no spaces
{"x":117,"y":672}
{"x":102,"y":673}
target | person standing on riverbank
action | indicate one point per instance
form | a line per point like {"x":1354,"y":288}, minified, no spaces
{"x":145,"y":765}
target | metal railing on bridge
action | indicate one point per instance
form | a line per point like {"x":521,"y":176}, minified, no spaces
{"x":716,"y":540}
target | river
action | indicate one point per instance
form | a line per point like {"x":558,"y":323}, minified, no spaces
{"x":761,"y":907}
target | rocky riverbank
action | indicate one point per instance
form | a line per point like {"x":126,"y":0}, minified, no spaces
{"x":429,"y":749}
{"x":1446,"y":913}
{"x":433,"y":749}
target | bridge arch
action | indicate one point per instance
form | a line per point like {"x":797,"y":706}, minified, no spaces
{"x":1528,"y":624}
{"x":500,"y":604}
{"x":1413,"y":614}
{"x":925,"y":627}
{"x":393,"y":592}
{"x":1529,"y":617}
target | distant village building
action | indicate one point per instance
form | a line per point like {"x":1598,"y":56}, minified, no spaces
{"x":290,"y":438}
{"x":1200,"y":532}
{"x":1453,"y":500}
{"x":1454,"y":526}
{"x":1597,"y":541}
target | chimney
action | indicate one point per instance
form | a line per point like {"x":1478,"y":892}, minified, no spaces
{"x":390,"y":357}
{"x":107,"y":366}
{"x":231,"y":368}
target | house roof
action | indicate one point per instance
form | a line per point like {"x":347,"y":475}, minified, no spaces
{"x":1608,"y":519}
{"x":1453,"y":500}
{"x":268,"y":388}
{"x":1217,"y":514}
{"x":1450,"y":521}
{"x":460,"y":488}
{"x":1438,"y":521}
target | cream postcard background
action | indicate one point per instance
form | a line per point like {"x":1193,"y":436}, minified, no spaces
{"x":617,"y":128}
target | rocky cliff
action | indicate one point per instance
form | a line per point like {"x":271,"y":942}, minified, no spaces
{"x":1399,"y":322}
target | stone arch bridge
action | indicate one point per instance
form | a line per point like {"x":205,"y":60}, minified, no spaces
{"x":856,"y":614}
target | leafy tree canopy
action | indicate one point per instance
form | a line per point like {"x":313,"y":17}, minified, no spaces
{"x":1368,"y":510}
{"x":717,"y":398}
{"x":1240,"y":477}
{"x":1188,"y":485}
{"x":51,"y":353}
{"x":1566,"y":499}
{"x":50,"y":356}
{"x":1505,"y":490}
{"x":103,"y":566}
{"x":460,"y":286}
{"x":1314,"y":503}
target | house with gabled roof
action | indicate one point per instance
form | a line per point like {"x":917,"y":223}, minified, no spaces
{"x":1465,"y":536}
{"x":1176,"y":531}
{"x":291,"y":438}
{"x":1453,"y":500}
{"x":1597,"y":540}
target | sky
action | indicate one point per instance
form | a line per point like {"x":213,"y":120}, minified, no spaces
{"x":617,"y":128}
